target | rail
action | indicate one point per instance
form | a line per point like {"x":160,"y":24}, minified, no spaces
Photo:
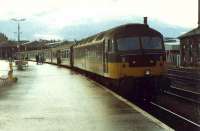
{"x":179,"y":122}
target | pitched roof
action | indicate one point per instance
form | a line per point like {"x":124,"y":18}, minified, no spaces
{"x":7,"y":44}
{"x":193,"y":32}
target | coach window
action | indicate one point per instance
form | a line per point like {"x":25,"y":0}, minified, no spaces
{"x":64,"y":54}
{"x":110,"y":45}
{"x":68,"y":53}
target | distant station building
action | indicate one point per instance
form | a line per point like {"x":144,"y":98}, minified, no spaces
{"x":3,"y":37}
{"x":7,"y":48}
{"x":34,"y":45}
{"x":41,"y":44}
{"x":172,"y":47}
{"x":190,"y":46}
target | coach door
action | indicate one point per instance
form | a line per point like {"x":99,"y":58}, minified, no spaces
{"x":71,"y":56}
{"x":105,"y":58}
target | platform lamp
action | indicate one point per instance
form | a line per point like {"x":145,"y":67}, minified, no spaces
{"x":18,"y":27}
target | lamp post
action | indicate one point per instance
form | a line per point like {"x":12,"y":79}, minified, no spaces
{"x":18,"y":27}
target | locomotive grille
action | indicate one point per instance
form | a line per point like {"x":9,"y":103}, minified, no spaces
{"x":142,"y":60}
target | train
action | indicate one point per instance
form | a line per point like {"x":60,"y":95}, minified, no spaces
{"x":131,"y":57}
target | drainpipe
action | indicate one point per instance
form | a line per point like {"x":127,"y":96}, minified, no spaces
{"x":198,"y":13}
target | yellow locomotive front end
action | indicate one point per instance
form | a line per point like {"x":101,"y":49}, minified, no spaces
{"x":145,"y":58}
{"x":137,"y":60}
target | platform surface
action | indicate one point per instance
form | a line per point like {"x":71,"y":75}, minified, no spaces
{"x":50,"y":98}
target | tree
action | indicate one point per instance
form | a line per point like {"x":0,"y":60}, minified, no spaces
{"x":3,"y":37}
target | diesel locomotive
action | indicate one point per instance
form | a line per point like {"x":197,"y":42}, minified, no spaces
{"x":131,"y":57}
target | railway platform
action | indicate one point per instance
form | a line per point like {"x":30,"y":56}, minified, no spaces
{"x":51,"y":98}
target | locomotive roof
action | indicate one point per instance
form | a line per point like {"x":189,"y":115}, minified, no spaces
{"x":133,"y":29}
{"x":122,"y":31}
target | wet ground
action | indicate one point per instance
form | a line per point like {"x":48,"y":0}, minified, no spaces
{"x":4,"y":67}
{"x":50,"y":98}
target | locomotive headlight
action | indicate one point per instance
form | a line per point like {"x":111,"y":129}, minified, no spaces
{"x":161,"y":58}
{"x":151,"y":61}
{"x":147,"y":72}
{"x":161,"y":61}
{"x":123,"y":59}
{"x":133,"y":62}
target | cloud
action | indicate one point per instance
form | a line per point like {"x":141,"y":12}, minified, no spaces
{"x":32,"y":30}
{"x":48,"y":18}
{"x":68,"y":12}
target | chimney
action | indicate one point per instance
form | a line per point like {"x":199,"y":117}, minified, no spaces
{"x":146,"y":20}
{"x":199,"y":13}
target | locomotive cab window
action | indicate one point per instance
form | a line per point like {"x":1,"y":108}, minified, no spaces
{"x":151,"y":43}
{"x":128,"y":43}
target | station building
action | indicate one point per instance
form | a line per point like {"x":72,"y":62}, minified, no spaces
{"x":190,"y":48}
{"x":34,"y":45}
{"x":190,"y":45}
{"x":3,"y":37}
{"x":7,"y":48}
{"x":172,"y":47}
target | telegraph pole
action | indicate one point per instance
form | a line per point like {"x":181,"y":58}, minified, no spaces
{"x":18,"y":27}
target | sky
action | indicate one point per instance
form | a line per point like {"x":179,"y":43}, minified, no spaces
{"x":53,"y":16}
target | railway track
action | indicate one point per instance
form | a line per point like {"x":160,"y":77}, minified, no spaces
{"x":184,"y":79}
{"x":183,"y":70}
{"x":171,"y":118}
{"x":184,"y":74}
{"x":184,"y":84}
{"x":184,"y":94}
